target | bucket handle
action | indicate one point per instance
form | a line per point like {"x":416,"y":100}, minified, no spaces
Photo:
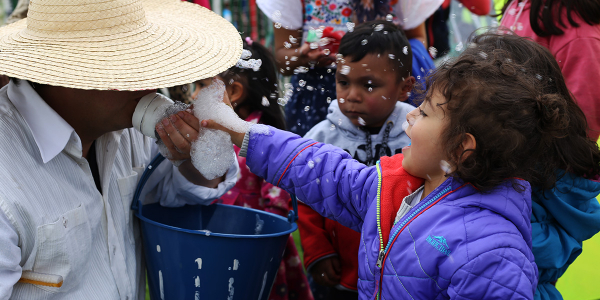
{"x":137,"y":206}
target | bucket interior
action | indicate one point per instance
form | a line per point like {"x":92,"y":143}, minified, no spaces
{"x":218,"y":218}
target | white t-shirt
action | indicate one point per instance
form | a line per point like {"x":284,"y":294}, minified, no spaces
{"x":289,"y":13}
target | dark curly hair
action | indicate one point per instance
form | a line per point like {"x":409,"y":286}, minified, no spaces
{"x":509,"y":93}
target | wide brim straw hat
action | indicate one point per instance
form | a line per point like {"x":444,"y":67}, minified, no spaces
{"x":118,"y":44}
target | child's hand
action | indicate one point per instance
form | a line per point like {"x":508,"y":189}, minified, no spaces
{"x":236,"y":137}
{"x":326,"y":272}
{"x":317,"y":56}
{"x":177,"y":132}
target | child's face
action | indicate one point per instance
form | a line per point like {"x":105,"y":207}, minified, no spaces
{"x":423,"y":158}
{"x":369,"y":89}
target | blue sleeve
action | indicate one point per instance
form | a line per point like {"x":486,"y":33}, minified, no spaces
{"x":503,"y":273}
{"x":322,"y":176}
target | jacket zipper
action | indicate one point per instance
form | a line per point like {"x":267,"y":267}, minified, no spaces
{"x":383,"y":252}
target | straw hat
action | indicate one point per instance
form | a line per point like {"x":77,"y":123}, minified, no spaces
{"x":118,"y":44}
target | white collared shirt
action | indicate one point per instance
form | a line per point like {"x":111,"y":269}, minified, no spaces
{"x":54,"y":221}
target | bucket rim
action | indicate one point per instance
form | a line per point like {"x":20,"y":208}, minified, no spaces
{"x":293,"y":225}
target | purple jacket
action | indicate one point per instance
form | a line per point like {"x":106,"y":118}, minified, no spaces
{"x":456,"y":243}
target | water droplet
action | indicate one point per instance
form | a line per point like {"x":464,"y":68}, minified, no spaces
{"x":282,"y":101}
{"x":307,"y":108}
{"x":294,"y":58}
{"x":340,"y":122}
{"x":433,"y":52}
{"x":293,"y":40}
{"x":483,"y":55}
{"x":301,"y":83}
{"x":389,"y":18}
{"x":332,"y":127}
{"x":453,"y":16}
{"x":287,"y":44}
{"x":392,"y":56}
{"x":318,"y":180}
{"x":405,"y":50}
{"x":379,"y":27}
{"x":345,"y":70}
{"x":326,"y":51}
{"x":445,"y":167}
{"x":314,"y":46}
{"x":265,"y":101}
{"x":370,"y":89}
{"x":311,"y":164}
{"x":341,"y":100}
{"x":364,"y":42}
{"x":277,"y":25}
{"x":350,"y":26}
{"x":361,"y":121}
{"x":538,"y":76}
{"x":405,"y":125}
{"x":459,"y":47}
{"x":328,"y":99}
{"x":310,"y":88}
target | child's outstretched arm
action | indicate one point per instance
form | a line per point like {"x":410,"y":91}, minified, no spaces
{"x":322,"y":176}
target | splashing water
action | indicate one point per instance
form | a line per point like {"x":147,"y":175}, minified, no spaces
{"x":405,"y":50}
{"x":433,"y":52}
{"x":379,"y":27}
{"x":392,"y":56}
{"x":364,"y":42}
{"x":259,"y":225}
{"x":389,"y":18}
{"x":301,"y":83}
{"x":445,"y":166}
{"x":405,"y":125}
{"x":361,"y":121}
{"x":326,"y":51}
{"x":265,"y":101}
{"x":307,"y":108}
{"x":350,"y":26}
{"x":310,"y":164}
{"x":459,"y":47}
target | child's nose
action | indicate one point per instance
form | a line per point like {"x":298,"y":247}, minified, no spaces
{"x":411,"y":117}
{"x":353,"y":95}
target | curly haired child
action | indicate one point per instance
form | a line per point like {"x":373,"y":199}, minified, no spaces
{"x":450,"y":217}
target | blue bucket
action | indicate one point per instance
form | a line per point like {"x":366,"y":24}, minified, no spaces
{"x":210,"y":252}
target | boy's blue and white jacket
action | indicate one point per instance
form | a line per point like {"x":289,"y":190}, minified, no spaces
{"x":338,"y":130}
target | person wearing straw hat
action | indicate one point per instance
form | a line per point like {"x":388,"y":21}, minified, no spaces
{"x":69,"y":159}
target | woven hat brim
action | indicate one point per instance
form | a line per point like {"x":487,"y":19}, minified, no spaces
{"x":180,"y":43}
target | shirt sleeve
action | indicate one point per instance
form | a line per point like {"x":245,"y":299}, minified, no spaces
{"x":10,"y":257}
{"x":287,"y":13}
{"x":411,"y":14}
{"x":169,"y":187}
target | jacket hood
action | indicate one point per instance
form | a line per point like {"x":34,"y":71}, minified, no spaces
{"x":335,"y":116}
{"x":573,"y":205}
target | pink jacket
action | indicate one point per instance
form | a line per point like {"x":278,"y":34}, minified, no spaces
{"x":578,"y":54}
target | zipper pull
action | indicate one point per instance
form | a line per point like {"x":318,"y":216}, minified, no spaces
{"x":380,"y":258}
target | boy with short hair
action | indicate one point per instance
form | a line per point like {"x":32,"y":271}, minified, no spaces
{"x":372,"y":81}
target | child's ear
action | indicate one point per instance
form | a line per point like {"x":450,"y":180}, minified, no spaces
{"x":235,"y":91}
{"x":407,"y":86}
{"x":468,"y":143}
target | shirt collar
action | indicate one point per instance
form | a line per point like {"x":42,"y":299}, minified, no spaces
{"x":50,"y":131}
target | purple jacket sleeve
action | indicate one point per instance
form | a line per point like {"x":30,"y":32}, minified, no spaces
{"x":322,"y":176}
{"x":501,"y":274}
